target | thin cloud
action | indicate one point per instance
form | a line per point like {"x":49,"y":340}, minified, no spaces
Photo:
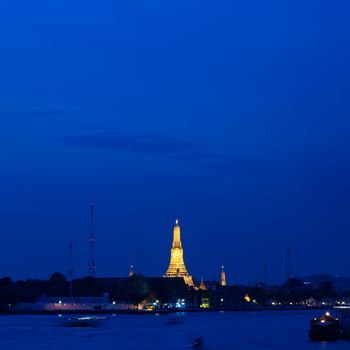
{"x":35,"y":112}
{"x":138,"y":142}
{"x":132,"y":142}
{"x":200,"y":156}
{"x":236,"y":166}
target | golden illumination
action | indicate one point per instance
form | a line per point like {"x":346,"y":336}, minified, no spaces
{"x":247,"y":298}
{"x":205,"y":303}
{"x":202,"y":285}
{"x":223,"y":277}
{"x":177,"y":266}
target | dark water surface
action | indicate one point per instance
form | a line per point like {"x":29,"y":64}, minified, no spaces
{"x":220,"y":330}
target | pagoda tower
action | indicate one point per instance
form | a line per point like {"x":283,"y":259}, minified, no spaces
{"x":177,"y":266}
{"x":223,"y":277}
{"x":202,"y":285}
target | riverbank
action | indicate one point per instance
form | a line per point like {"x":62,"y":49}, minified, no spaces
{"x":156,"y":311}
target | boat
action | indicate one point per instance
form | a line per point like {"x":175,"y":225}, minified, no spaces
{"x":197,"y":343}
{"x":344,"y":317}
{"x":326,"y":327}
{"x":83,"y":321}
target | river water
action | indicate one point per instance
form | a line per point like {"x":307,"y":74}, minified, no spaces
{"x":280,"y":330}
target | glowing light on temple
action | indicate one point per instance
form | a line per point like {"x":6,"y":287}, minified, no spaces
{"x":177,"y":266}
{"x":223,"y":277}
{"x":202,"y":285}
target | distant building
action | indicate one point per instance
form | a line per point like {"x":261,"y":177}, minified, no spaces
{"x":177,"y":266}
{"x":77,"y":304}
{"x":340,"y":284}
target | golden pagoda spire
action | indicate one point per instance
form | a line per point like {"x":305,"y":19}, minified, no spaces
{"x":202,"y":285}
{"x":223,"y":277}
{"x":131,"y":271}
{"x":177,"y":266}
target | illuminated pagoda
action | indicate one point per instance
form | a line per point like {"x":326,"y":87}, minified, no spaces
{"x":177,"y":266}
{"x":202,"y":285}
{"x":131,"y":271}
{"x":223,"y":277}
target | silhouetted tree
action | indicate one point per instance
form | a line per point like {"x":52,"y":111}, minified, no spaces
{"x":327,"y":290}
{"x":8,"y":294}
{"x":58,"y":285}
{"x":30,"y":290}
{"x":137,"y":289}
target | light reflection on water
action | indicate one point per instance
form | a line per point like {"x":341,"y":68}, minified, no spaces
{"x":219,"y":330}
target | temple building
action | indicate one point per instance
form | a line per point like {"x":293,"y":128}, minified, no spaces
{"x":177,"y":266}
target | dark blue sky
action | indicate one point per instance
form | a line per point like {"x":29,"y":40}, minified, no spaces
{"x":231,"y":115}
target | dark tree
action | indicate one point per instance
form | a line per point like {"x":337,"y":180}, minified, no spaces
{"x":8,"y":293}
{"x":58,"y":285}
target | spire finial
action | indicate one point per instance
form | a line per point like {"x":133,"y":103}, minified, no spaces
{"x":177,"y":221}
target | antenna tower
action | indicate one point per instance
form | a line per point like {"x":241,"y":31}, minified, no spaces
{"x":92,"y":262}
{"x":289,"y":273}
{"x":71,"y":270}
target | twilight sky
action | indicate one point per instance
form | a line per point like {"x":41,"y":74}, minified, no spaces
{"x":233,"y":116}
